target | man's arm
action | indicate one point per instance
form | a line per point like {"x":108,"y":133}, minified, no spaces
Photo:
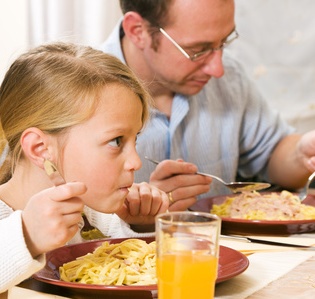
{"x":292,"y":160}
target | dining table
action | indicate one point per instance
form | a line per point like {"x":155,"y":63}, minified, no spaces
{"x":273,"y":272}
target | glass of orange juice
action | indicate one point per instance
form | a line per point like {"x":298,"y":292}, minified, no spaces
{"x":187,"y":254}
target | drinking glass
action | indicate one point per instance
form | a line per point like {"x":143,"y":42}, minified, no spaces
{"x":187,"y":254}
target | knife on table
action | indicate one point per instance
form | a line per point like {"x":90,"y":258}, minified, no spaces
{"x":261,"y":241}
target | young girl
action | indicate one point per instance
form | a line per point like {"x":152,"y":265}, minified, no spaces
{"x":82,"y":110}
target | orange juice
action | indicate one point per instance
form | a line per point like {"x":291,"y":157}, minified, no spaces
{"x":186,"y":276}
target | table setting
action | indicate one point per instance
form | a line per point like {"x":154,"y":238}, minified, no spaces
{"x":268,"y":266}
{"x":281,"y":255}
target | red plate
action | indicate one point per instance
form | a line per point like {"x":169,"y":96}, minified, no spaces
{"x":257,"y":227}
{"x":231,"y":263}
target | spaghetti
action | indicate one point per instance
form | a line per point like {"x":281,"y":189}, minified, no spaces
{"x":131,"y":262}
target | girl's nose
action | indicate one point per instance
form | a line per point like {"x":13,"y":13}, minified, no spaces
{"x":133,"y":161}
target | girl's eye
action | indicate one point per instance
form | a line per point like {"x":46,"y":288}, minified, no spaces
{"x":115,"y":142}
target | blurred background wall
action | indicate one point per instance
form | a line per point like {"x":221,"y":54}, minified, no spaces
{"x":276,"y":45}
{"x":27,"y":23}
{"x":13,"y":31}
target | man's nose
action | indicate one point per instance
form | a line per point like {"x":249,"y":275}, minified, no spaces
{"x":213,"y":65}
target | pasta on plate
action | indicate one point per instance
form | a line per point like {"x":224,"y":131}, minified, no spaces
{"x":131,"y":262}
{"x":264,"y":206}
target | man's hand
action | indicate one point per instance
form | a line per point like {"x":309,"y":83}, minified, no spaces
{"x":180,"y":181}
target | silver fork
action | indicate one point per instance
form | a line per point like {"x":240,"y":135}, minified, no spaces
{"x":309,"y":188}
{"x":233,"y":186}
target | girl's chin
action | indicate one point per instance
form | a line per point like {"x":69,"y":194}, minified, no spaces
{"x":111,"y":205}
{"x":106,"y":210}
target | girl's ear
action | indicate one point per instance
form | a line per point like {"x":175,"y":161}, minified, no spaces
{"x":35,"y":146}
{"x":134,"y":28}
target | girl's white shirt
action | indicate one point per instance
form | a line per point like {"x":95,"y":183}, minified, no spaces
{"x":16,"y":262}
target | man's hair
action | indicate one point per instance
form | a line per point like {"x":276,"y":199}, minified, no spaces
{"x":154,"y":11}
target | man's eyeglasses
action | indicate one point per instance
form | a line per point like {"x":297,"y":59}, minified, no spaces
{"x":203,"y":54}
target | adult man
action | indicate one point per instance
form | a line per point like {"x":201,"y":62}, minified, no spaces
{"x":222,"y":126}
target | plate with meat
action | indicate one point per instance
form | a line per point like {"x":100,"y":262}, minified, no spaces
{"x":264,"y":213}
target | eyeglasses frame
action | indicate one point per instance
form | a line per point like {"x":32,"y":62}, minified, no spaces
{"x":196,"y":56}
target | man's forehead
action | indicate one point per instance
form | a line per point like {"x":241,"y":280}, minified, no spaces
{"x":191,"y":12}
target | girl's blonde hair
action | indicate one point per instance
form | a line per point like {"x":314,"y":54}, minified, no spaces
{"x":56,"y":86}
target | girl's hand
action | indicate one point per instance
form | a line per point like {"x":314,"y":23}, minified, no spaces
{"x":51,"y":217}
{"x":142,"y":204}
